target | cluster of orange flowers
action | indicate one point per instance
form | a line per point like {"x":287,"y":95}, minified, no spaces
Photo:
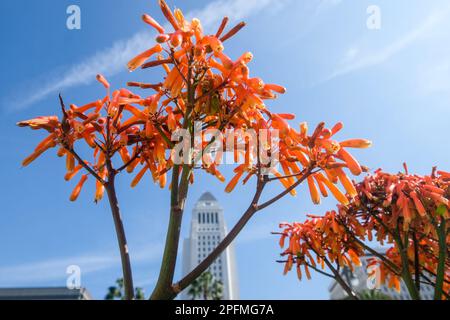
{"x":201,"y":84}
{"x":316,"y":151}
{"x":403,"y":211}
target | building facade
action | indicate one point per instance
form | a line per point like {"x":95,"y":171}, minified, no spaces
{"x":208,"y":229}
{"x":44,"y":294}
{"x":359,"y":282}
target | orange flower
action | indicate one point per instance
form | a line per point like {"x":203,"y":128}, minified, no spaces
{"x":140,"y":59}
{"x":138,"y":177}
{"x":103,"y":81}
{"x":149,"y":20}
{"x":233,"y":182}
{"x":315,"y":197}
{"x":356,"y":143}
{"x":352,"y":164}
{"x":168,"y":14}
{"x":334,"y":190}
{"x":77,"y":190}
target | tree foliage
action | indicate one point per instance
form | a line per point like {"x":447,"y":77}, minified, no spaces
{"x":406,"y":212}
{"x":135,"y":131}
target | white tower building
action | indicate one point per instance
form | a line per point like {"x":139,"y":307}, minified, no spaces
{"x":208,"y":228}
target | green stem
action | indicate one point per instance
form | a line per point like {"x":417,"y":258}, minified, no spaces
{"x":163,"y":289}
{"x":406,"y":274}
{"x":440,"y":274}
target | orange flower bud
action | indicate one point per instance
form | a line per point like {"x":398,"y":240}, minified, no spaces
{"x":334,"y":190}
{"x":222,"y":27}
{"x":351,"y":162}
{"x":232,"y":184}
{"x":226,"y":61}
{"x":149,"y":20}
{"x":356,"y":143}
{"x":168,"y":14}
{"x":99,"y":191}
{"x":245,"y":58}
{"x":69,"y":175}
{"x":346,"y":182}
{"x":70,"y":162}
{"x":232,"y":32}
{"x":79,"y":186}
{"x":419,"y":206}
{"x":315,"y":197}
{"x":138,"y":177}
{"x":140,"y":59}
{"x":162,"y":38}
{"x":276,"y":88}
{"x":354,"y":257}
{"x":103,"y":81}
{"x":176,"y":39}
{"x":337,"y":127}
{"x":308,"y":274}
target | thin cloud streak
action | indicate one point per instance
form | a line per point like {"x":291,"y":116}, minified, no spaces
{"x":362,"y":62}
{"x":113,"y":60}
{"x":55,"y":269}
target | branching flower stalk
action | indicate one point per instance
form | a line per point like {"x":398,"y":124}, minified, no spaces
{"x":201,"y":84}
{"x":407,"y":212}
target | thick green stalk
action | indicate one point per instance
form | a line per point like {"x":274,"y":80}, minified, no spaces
{"x":440,"y":274}
{"x":163,"y":289}
{"x":180,"y":187}
{"x":406,"y":274}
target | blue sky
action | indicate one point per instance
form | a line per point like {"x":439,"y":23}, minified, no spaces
{"x":390,"y":85}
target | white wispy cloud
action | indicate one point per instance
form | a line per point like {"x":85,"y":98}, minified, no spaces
{"x":327,"y":4}
{"x":112,"y":60}
{"x":355,"y":59}
{"x":434,"y":78}
{"x":55,"y":269}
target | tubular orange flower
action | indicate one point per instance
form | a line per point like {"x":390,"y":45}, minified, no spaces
{"x":99,"y":191}
{"x":232,"y":184}
{"x":138,"y":177}
{"x":70,"y":162}
{"x":79,"y":186}
{"x":334,"y":190}
{"x":69,"y":175}
{"x":168,"y":14}
{"x":140,"y":59}
{"x":276,"y":88}
{"x":354,"y":257}
{"x":103,"y":81}
{"x":233,"y":31}
{"x":419,"y":206}
{"x":353,"y":165}
{"x":346,"y":182}
{"x":315,"y":197}
{"x":152,"y":22}
{"x":356,"y":143}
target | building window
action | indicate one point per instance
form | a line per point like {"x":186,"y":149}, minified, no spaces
{"x":217,"y":217}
